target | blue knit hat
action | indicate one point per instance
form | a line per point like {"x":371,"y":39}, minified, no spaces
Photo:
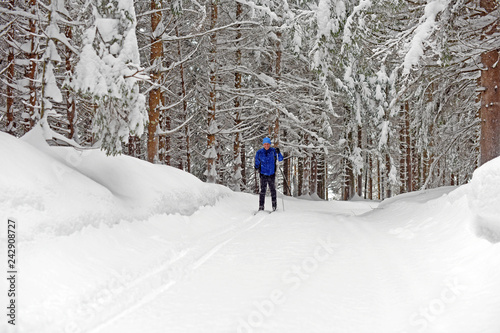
{"x":266,"y":140}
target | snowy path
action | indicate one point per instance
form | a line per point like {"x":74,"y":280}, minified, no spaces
{"x":318,"y":268}
{"x":189,"y":262}
{"x":118,"y":245}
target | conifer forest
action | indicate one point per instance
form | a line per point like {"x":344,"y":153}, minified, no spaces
{"x":364,"y":98}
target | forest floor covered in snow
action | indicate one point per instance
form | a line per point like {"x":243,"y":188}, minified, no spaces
{"x":115,"y":244}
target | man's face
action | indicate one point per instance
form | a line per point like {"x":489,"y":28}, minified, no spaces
{"x":267,"y":146}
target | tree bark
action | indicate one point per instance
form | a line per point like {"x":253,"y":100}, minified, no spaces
{"x":187,"y":133}
{"x":155,"y":95}
{"x":314,"y":175}
{"x":10,"y":77}
{"x":402,"y":152}
{"x":359,"y":184}
{"x":276,"y":133}
{"x":388,"y":192}
{"x":370,"y":177}
{"x":490,"y":106}
{"x":490,"y":97}
{"x":237,"y":86}
{"x":286,"y":169}
{"x":408,"y":160}
{"x":70,"y":96}
{"x":347,"y":172}
{"x":211,"y":172}
{"x":32,"y":68}
{"x":300,"y":175}
{"x":379,"y":180}
{"x":243,"y":164}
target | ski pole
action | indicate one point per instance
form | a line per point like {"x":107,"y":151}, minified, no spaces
{"x":286,"y":183}
{"x":285,"y":180}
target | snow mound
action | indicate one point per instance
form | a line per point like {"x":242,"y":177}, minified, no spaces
{"x":59,"y":190}
{"x":484,"y":200}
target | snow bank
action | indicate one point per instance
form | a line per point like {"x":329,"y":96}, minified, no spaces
{"x":410,"y":264}
{"x":59,"y":190}
{"x":484,"y":200}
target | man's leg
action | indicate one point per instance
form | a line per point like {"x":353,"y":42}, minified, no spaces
{"x":272,"y":187}
{"x":262,"y":195}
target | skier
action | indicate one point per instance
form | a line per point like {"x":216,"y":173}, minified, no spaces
{"x":265,"y":163}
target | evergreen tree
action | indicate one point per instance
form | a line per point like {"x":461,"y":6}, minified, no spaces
{"x":109,"y":72}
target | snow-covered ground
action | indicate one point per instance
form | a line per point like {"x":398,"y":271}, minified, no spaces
{"x":114,"y":244}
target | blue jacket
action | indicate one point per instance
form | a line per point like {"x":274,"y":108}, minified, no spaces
{"x":266,"y":161}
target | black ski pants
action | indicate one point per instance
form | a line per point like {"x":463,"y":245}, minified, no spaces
{"x":264,"y":182}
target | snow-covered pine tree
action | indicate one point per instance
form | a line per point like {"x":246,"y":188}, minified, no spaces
{"x":109,"y":71}
{"x":50,"y":92}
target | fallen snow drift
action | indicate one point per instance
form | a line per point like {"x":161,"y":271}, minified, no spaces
{"x":60,"y":190}
{"x":113,"y":244}
{"x":484,"y":200}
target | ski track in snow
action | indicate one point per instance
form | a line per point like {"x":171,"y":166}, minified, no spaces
{"x":201,"y":256}
{"x":168,"y":253}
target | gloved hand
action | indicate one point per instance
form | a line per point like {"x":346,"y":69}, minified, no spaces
{"x":277,"y":150}
{"x":257,"y":168}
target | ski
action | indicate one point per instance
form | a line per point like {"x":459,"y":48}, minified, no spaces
{"x":264,"y":211}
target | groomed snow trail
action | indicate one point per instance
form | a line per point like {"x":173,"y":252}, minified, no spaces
{"x":410,"y":265}
{"x":113,"y":244}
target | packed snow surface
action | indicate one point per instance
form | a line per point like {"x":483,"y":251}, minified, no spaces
{"x":115,"y":244}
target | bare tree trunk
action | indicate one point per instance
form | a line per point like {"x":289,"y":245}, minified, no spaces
{"x":134,"y":146}
{"x":187,"y":133}
{"x":32,"y":68}
{"x":314,"y":175}
{"x":345,"y":179}
{"x":388,"y":178}
{"x":379,"y":180}
{"x":347,"y":173}
{"x":325,"y":177}
{"x":286,"y":169}
{"x":490,"y":97}
{"x":306,"y":171}
{"x":321,"y":176}
{"x":402,"y":159}
{"x":300,"y":175}
{"x":155,"y":95}
{"x":425,"y":166}
{"x":70,"y":96}
{"x":408,"y":161}
{"x":164,"y":141}
{"x":365,"y":173}
{"x":10,"y":76}
{"x":370,"y":178}
{"x":490,"y":106}
{"x":237,"y":86}
{"x":417,"y":170}
{"x":359,"y":184}
{"x":307,"y":175}
{"x":211,"y":172}
{"x":350,"y":176}
{"x":276,"y":140}
{"x":243,"y":164}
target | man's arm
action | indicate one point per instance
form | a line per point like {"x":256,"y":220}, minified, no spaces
{"x":257,"y":161}
{"x":280,"y":157}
